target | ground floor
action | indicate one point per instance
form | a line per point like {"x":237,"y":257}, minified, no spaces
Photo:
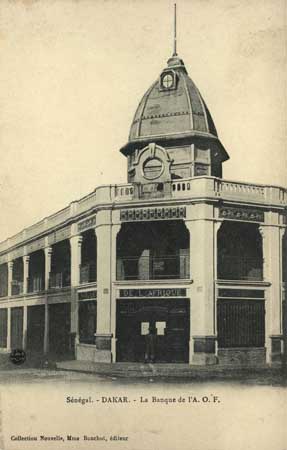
{"x":154,"y":324}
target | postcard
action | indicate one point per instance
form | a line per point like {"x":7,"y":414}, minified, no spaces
{"x":143,"y":226}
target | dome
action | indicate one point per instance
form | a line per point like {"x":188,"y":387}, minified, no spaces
{"x":172,"y":108}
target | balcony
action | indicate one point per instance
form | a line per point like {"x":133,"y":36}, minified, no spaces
{"x":59,"y":280}
{"x":240,"y":268}
{"x":174,"y":267}
{"x":17,"y":287}
{"x":88,"y":273}
{"x":35,"y":284}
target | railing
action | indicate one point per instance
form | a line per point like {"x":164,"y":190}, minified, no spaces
{"x":124,"y":192}
{"x":240,"y":268}
{"x":153,"y":268}
{"x":35,"y":284}
{"x":88,"y":273}
{"x":3,"y":291}
{"x":17,"y":287}
{"x":192,"y":187}
{"x":59,"y":280}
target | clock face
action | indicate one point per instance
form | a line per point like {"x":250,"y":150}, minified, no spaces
{"x":167,"y":81}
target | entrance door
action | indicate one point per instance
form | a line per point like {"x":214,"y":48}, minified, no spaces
{"x":169,"y":317}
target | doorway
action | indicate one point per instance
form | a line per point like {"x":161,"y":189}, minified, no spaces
{"x":169,"y":317}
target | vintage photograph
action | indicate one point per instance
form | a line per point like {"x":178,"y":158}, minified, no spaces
{"x":143,"y":228}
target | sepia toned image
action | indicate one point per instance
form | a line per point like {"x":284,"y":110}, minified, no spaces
{"x":143,"y":227}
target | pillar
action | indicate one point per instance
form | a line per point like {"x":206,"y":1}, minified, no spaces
{"x":76,"y":254}
{"x":26,"y":260}
{"x":48,"y":257}
{"x":25,"y":324}
{"x":76,"y":246}
{"x":8,"y":329}
{"x":115,"y":231}
{"x":10,"y":277}
{"x":105,"y":252}
{"x":46,"y":327}
{"x":202,"y":231}
{"x":272,"y":259}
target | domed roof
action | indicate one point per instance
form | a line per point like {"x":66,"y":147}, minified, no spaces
{"x":172,"y":108}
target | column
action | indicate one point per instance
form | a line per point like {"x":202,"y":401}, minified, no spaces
{"x":25,"y":323}
{"x":76,"y":253}
{"x":10,"y":277}
{"x":48,"y":257}
{"x":272,"y":259}
{"x":104,"y":285}
{"x":8,"y":329}
{"x":76,"y":248}
{"x":202,"y":271}
{"x":46,"y":327}
{"x":115,"y":231}
{"x":26,"y":260}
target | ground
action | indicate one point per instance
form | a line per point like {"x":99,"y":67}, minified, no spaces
{"x":44,"y":372}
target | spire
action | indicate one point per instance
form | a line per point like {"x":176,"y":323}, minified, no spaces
{"x":174,"y":30}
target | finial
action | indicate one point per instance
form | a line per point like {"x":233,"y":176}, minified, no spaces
{"x":174,"y":40}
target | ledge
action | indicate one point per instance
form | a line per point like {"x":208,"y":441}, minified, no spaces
{"x":242,"y":283}
{"x":152,"y":282}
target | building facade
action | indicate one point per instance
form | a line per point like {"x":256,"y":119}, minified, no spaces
{"x":178,"y":248}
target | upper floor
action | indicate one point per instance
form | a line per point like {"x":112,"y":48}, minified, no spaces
{"x":153,"y":235}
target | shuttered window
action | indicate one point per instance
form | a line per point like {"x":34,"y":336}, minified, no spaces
{"x":3,"y":328}
{"x":241,"y":323}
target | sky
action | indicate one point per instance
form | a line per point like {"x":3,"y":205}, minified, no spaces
{"x":72,"y":73}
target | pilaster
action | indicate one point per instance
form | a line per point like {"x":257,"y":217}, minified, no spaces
{"x":105,"y":244}
{"x":202,"y":263}
{"x":115,"y":230}
{"x":10,"y":277}
{"x":46,"y":327}
{"x":272,"y":258}
{"x":26,"y":260}
{"x":48,"y":257}
{"x":9,"y":329}
{"x":76,"y":255}
{"x":25,"y":324}
{"x":76,"y":246}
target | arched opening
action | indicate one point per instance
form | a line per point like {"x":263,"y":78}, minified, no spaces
{"x":36,"y":271}
{"x":153,"y":251}
{"x":3,"y":280}
{"x":60,"y":275}
{"x":17,"y":276}
{"x":239,"y":252}
{"x":88,"y":268}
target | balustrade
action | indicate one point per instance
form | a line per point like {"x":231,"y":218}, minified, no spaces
{"x":16,"y":287}
{"x":59,"y":280}
{"x":240,"y":268}
{"x":88,"y":273}
{"x":153,"y":268}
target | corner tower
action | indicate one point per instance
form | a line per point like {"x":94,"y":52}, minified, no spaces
{"x":173,"y":135}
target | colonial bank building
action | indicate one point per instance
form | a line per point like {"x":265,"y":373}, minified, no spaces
{"x":179,"y":248}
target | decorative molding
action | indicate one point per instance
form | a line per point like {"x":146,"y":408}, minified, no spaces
{"x":86,"y":224}
{"x":17,"y":253}
{"x":154,"y":293}
{"x":252,"y":215}
{"x":36,"y":245}
{"x":142,"y":214}
{"x":59,"y":235}
{"x":4,"y":258}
